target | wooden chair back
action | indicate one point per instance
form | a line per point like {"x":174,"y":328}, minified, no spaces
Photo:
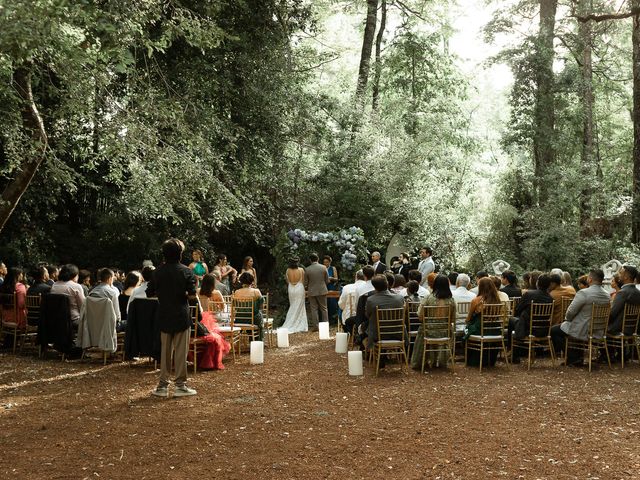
{"x":564,"y":304}
{"x":599,"y":319}
{"x":8,"y":307}
{"x":242,"y":311}
{"x":413,"y":320}
{"x":436,"y":321}
{"x":513,"y":304}
{"x":194,"y":314}
{"x":265,"y":306}
{"x":541,"y":319}
{"x":630,"y":318}
{"x":32,"y":302}
{"x":462,"y":309}
{"x":390,"y":323}
{"x":492,"y":319}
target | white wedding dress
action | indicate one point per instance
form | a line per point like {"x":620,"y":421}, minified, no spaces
{"x":296,"y":320}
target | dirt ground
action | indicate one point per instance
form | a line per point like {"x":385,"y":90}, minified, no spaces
{"x":301,"y":416}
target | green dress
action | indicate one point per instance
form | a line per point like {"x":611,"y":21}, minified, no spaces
{"x":436,"y":357}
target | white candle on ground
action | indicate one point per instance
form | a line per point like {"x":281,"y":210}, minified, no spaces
{"x":342,"y":342}
{"x":256,"y":353}
{"x":283,"y":337}
{"x":355,"y":363}
{"x":323,"y":328}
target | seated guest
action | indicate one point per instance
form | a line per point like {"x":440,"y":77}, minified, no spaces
{"x":247,"y":292}
{"x":627,"y":294}
{"x":14,"y":284}
{"x":497,"y":281}
{"x":131,"y":281}
{"x":208,"y":295}
{"x":526,"y":276}
{"x":533,"y":281}
{"x":430,"y":279}
{"x":141,"y":290}
{"x":453,"y":278}
{"x":440,"y":296}
{"x":382,"y":298}
{"x":53,"y":274}
{"x":417,"y":276}
{"x":557,"y":291}
{"x":365,"y":287}
{"x":412,"y":292}
{"x":461,"y":292}
{"x":348,"y":300}
{"x":118,"y":279}
{"x":616,"y":284}
{"x":481,"y":274}
{"x":105,"y":289}
{"x":520,"y":323}
{"x":583,"y":282}
{"x":40,"y":285}
{"x":67,"y":284}
{"x":399,"y":284}
{"x":510,"y":284}
{"x":487,"y":295}
{"x":84,"y":279}
{"x":578,"y":317}
{"x":566,"y":280}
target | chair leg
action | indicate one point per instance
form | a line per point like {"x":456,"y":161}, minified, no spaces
{"x":590,"y":352}
{"x":481,"y":352}
{"x":506,"y":357}
{"x":466,"y":348}
{"x":530,"y":348}
{"x":553,"y":353}
{"x":424,"y":356}
{"x":606,"y":350}
{"x":378,"y":362}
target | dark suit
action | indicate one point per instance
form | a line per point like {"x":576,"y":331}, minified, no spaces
{"x":172,"y":283}
{"x":522,"y":315}
{"x":512,"y":291}
{"x":627,"y":294}
{"x":380,"y":268}
{"x":360,"y":316}
{"x":384,"y":299}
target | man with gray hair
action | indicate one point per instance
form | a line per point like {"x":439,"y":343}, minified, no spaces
{"x":378,"y":267}
{"x":461,"y":292}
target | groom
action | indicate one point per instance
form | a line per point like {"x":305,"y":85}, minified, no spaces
{"x":316,"y":279}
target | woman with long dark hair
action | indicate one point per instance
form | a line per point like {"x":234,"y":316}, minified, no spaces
{"x":13,"y":284}
{"x":487,"y":295}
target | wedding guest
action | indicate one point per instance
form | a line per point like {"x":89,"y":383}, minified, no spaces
{"x":210,"y":298}
{"x":399,"y":284}
{"x":566,"y":280}
{"x":247,"y":266}
{"x":615,"y":286}
{"x":453,"y":277}
{"x":67,"y":284}
{"x":14,"y":284}
{"x":221,"y":287}
{"x":141,"y":290}
{"x":405,"y":265}
{"x":198,"y":267}
{"x":382,"y":298}
{"x":510,"y":284}
{"x":426,"y":265}
{"x":557,"y":292}
{"x":40,"y":285}
{"x":226,"y":273}
{"x":332,"y":286}
{"x":118,"y":279}
{"x":412,"y":292}
{"x":131,"y":282}
{"x":84,"y":279}
{"x":430,"y":279}
{"x":578,"y":317}
{"x":487,"y":295}
{"x":3,"y":272}
{"x":526,"y":277}
{"x":105,"y":289}
{"x":173,"y":283}
{"x":583,"y":282}
{"x":520,"y":323}
{"x":440,"y":296}
{"x":627,"y":294}
{"x":53,"y":274}
{"x":533,"y":280}
{"x":479,"y":275}
{"x":462,"y":292}
{"x":247,"y":292}
{"x":395,"y":265}
{"x":348,"y":299}
{"x":417,"y":276}
{"x":378,"y":266}
{"x":365,"y":287}
{"x":497,"y":281}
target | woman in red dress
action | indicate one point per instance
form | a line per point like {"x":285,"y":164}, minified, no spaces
{"x":217,"y":347}
{"x":13,"y":284}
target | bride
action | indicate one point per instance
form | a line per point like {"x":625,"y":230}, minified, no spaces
{"x":296,"y":320}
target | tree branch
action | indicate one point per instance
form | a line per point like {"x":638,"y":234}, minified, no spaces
{"x":609,"y":16}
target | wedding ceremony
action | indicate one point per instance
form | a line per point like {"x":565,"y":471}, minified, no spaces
{"x":318,"y":239}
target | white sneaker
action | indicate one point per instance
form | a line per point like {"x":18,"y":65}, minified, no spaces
{"x":184,"y":391}
{"x":160,"y":392}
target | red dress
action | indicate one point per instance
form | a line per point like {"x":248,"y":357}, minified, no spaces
{"x":19,"y":315}
{"x":216,"y":347}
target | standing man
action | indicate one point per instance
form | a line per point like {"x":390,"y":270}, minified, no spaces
{"x":173,"y":283}
{"x":426,"y":265}
{"x":316,"y":279}
{"x":378,"y":267}
{"x":3,"y":272}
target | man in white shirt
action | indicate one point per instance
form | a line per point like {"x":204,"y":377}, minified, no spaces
{"x":426,"y":265}
{"x":105,"y":289}
{"x":365,"y":286}
{"x":141,"y":290}
{"x":348,"y":298}
{"x":461,"y":294}
{"x":67,"y":284}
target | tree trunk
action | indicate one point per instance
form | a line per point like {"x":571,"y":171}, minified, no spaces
{"x":33,"y":124}
{"x":589,"y":170}
{"x":367,"y":46}
{"x":635,"y":216}
{"x":544,"y":135}
{"x":378,"y":61}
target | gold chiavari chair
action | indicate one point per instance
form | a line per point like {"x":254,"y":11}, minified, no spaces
{"x":243,"y":316}
{"x":438,"y":327}
{"x":628,"y":333}
{"x":565,"y":302}
{"x":541,"y":317}
{"x":413,"y":322}
{"x":491,"y":333}
{"x":267,"y":321}
{"x":32,"y":302}
{"x":9,"y":318}
{"x":391,"y":335}
{"x":597,"y":333}
{"x":196,"y":344}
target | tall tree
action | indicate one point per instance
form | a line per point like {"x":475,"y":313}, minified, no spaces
{"x":367,"y":47}
{"x":635,"y":214}
{"x":544,"y":112}
{"x":378,"y":60}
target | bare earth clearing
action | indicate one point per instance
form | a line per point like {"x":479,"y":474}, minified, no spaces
{"x":300,"y":416}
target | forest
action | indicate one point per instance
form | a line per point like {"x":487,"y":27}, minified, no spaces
{"x":227,"y":123}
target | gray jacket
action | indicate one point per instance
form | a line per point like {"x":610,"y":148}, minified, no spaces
{"x":316,"y":279}
{"x":578,"y":316}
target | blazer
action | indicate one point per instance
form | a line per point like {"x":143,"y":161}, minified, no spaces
{"x":384,"y":299}
{"x":316,"y":279}
{"x":98,"y":324}
{"x":172,"y":283}
{"x":523,"y":311}
{"x":381,"y":268}
{"x":512,"y":291}
{"x":627,"y":294}
{"x":578,"y":315}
